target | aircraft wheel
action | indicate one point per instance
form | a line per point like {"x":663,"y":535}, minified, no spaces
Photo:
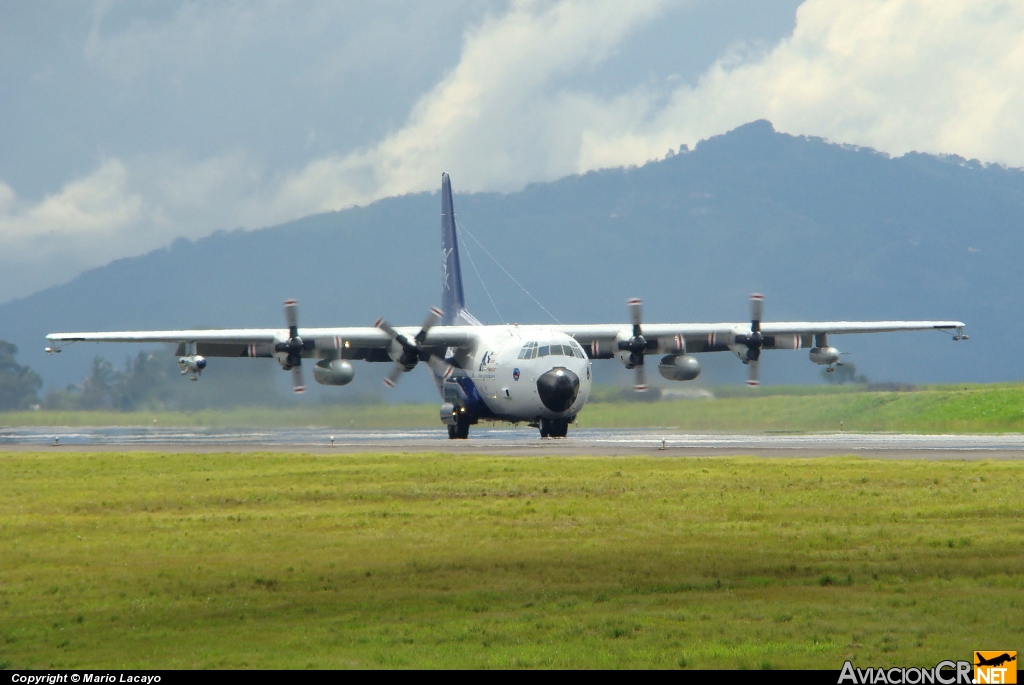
{"x":452,"y":432}
{"x":553,"y":428}
{"x":461,"y":430}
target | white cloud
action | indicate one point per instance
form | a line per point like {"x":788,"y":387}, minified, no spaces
{"x":117,"y":211}
{"x":944,"y":76}
{"x":932,"y":75}
{"x":94,"y":207}
{"x":940,"y":76}
{"x":497,"y":121}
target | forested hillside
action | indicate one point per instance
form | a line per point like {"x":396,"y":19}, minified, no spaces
{"x":825,"y":231}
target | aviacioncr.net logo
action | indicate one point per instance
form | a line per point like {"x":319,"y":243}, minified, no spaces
{"x":943,"y":673}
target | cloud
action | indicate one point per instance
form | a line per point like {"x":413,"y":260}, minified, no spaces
{"x":118,"y":210}
{"x":95,"y":207}
{"x":940,"y":76}
{"x":86,"y":223}
{"x":500,"y":119}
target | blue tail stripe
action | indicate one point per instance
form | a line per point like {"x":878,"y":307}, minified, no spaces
{"x":453,"y":298}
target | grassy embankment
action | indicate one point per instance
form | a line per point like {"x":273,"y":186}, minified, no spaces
{"x":960,"y":408}
{"x":289,"y":561}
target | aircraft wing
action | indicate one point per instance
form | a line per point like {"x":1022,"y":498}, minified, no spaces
{"x":840,"y":327}
{"x":713,"y":337}
{"x":241,"y":336}
{"x":367,"y":342}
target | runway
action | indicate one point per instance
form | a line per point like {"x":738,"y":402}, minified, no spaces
{"x":518,"y":442}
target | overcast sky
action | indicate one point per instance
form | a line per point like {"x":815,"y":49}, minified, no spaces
{"x":128,"y":124}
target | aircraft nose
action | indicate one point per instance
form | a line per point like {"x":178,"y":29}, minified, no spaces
{"x":558,"y":388}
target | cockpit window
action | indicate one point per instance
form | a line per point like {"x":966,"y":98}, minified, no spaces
{"x":529,"y":351}
{"x":532,"y":350}
{"x":556,"y":351}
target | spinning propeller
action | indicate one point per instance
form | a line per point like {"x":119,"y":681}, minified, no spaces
{"x":637,"y":345}
{"x":294,"y":345}
{"x":412,"y":350}
{"x":755,"y":341}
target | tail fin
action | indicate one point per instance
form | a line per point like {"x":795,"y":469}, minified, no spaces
{"x":453,"y":298}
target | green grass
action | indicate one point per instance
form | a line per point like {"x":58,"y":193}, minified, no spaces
{"x":938,"y":409}
{"x":934,"y":409}
{"x":329,"y":416}
{"x":152,"y":560}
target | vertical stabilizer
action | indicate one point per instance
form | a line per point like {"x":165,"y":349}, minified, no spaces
{"x":453,"y":298}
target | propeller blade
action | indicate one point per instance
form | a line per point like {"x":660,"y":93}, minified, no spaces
{"x":641,"y":379}
{"x":433,"y":316}
{"x":752,"y":378}
{"x":440,"y":367}
{"x":636,"y":310}
{"x":396,"y":372}
{"x":412,"y":350}
{"x":291,"y":315}
{"x":756,"y":310}
{"x":386,"y":327}
{"x":297,"y":382}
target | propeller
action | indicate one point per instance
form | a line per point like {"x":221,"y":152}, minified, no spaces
{"x":637,"y":345}
{"x":412,"y":350}
{"x":294,"y":345}
{"x":755,"y":341}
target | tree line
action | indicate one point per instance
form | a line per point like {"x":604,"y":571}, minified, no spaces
{"x":149,"y":381}
{"x":152,"y":381}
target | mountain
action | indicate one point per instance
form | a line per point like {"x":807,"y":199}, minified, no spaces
{"x":825,"y":231}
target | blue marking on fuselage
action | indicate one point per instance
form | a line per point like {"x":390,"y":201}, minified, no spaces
{"x":475,"y":404}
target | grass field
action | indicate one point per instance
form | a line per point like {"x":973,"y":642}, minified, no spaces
{"x":291,"y":561}
{"x":936,"y":409}
{"x":933,"y":409}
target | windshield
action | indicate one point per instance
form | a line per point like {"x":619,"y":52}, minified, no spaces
{"x":532,"y":350}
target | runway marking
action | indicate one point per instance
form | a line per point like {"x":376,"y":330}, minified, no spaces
{"x":666,"y":442}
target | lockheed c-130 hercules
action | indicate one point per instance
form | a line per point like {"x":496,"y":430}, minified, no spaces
{"x":537,"y":374}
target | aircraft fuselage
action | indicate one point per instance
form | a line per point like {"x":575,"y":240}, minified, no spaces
{"x":521,"y":373}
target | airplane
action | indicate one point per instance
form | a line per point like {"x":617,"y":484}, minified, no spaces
{"x":996,"y":660}
{"x":535,"y":374}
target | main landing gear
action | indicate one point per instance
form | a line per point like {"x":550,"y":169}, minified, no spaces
{"x":554,"y":428}
{"x":460,"y":431}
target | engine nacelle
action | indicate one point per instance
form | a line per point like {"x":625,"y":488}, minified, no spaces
{"x":193,"y":364}
{"x":629,"y":359}
{"x":600,"y":350}
{"x":825,"y":356}
{"x":448,"y":416}
{"x":333,"y":372}
{"x":681,"y":367}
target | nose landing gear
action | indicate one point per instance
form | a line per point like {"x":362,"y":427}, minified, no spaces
{"x":554,"y":428}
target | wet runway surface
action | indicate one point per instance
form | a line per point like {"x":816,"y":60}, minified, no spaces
{"x":519,"y":442}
